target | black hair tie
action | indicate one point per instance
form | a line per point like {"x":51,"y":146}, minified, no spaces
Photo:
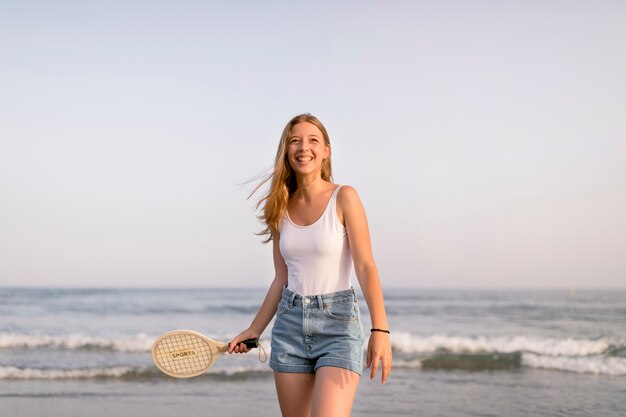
{"x":381,"y":330}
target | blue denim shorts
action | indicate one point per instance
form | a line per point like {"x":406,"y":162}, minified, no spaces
{"x":317,"y":330}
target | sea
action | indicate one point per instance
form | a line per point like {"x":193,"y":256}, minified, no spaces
{"x":76,"y":352}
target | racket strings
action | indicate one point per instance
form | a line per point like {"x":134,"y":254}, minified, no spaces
{"x":184,"y":354}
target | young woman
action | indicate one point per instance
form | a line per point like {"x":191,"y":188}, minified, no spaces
{"x":319,"y":231}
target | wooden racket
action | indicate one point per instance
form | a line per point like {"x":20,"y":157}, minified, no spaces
{"x":185,"y":353}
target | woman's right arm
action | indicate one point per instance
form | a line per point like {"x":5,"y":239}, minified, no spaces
{"x":268,"y":308}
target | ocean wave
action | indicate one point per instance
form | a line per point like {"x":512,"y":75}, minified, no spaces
{"x":411,"y":343}
{"x":599,"y":365}
{"x":123,"y":373}
{"x":138,"y":343}
{"x":403,"y":342}
{"x":11,"y":372}
{"x":467,"y":362}
{"x":603,"y":356}
{"x":474,"y":361}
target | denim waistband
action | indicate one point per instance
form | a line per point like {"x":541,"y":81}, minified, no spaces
{"x":318,"y":301}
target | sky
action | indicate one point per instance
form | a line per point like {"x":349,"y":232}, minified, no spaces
{"x":486,"y":139}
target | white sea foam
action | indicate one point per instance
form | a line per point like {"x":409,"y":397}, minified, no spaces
{"x":10,"y":372}
{"x":407,"y":363}
{"x":410,"y":343}
{"x":600,"y":365}
{"x":403,"y":342}
{"x":138,"y":343}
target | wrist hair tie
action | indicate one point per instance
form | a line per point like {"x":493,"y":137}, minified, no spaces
{"x":380,"y":330}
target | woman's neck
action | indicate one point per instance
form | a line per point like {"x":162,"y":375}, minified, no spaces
{"x":310,"y":186}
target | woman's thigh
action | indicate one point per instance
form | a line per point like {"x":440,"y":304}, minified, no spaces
{"x":295,"y":393}
{"x":334,"y":392}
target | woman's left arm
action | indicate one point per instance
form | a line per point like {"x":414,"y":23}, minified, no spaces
{"x":351,"y":212}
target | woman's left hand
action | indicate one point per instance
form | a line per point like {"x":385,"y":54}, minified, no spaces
{"x":379,"y":350}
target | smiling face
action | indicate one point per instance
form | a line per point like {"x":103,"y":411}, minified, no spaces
{"x":307,"y":149}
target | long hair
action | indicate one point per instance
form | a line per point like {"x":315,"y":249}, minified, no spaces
{"x":283,"y":185}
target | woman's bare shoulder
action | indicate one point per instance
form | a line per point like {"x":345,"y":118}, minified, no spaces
{"x":347,"y":194}
{"x":348,"y":203}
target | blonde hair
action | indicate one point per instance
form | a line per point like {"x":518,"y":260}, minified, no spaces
{"x":283,"y":185}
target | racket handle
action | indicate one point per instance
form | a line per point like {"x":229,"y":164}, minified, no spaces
{"x":250,"y":343}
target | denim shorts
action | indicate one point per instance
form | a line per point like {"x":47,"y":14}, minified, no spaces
{"x":317,"y":330}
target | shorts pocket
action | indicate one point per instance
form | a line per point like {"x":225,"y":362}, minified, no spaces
{"x":282,"y":307}
{"x":342,"y":311}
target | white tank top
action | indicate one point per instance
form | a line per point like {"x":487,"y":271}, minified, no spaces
{"x":317,"y":256}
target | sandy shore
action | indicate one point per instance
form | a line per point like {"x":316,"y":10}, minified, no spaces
{"x":408,"y":393}
{"x":130,"y":406}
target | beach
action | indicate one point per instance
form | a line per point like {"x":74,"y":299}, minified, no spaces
{"x":76,"y":352}
{"x":532,"y":392}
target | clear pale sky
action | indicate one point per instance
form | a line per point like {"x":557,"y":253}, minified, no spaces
{"x":487,"y":139}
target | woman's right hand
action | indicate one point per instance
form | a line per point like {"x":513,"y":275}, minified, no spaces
{"x":236,"y":345}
